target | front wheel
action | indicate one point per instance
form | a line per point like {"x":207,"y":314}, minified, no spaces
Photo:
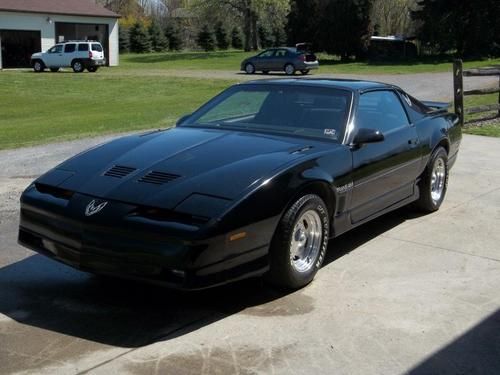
{"x":434,"y":182}
{"x":38,"y":66}
{"x":249,"y":68}
{"x":289,"y":69}
{"x":77,"y":66}
{"x":299,"y":245}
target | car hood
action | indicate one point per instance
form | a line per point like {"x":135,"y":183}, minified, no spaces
{"x":162,"y":169}
{"x":37,"y":54}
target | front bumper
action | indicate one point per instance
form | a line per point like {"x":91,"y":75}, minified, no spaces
{"x":112,"y":243}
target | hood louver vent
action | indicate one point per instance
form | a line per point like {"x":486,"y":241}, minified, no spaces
{"x":119,"y":171}
{"x":158,"y":178}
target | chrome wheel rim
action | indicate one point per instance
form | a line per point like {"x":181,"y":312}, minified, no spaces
{"x":38,"y":66}
{"x":289,"y":69}
{"x":438,"y":178}
{"x":249,"y":68}
{"x":305,"y":244}
{"x":78,"y":66}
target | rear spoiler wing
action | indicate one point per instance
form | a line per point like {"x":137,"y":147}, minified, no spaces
{"x":437,"y":106}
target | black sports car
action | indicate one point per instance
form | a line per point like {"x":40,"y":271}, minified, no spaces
{"x":255,"y":182}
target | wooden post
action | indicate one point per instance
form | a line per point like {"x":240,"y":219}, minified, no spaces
{"x":458,"y":90}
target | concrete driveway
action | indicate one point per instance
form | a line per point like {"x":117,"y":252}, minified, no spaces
{"x":404,"y":294}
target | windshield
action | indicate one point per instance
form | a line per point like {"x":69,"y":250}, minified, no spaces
{"x":318,"y":112}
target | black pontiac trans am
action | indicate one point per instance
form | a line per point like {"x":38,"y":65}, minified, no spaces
{"x":255,"y":182}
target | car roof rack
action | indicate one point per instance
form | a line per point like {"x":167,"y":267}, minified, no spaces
{"x":79,"y":41}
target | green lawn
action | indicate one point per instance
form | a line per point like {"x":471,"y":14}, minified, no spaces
{"x":46,"y":107}
{"x":491,"y":130}
{"x":230,"y":61}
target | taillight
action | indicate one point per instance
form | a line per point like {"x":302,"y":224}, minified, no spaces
{"x":90,"y":54}
{"x":302,"y":57}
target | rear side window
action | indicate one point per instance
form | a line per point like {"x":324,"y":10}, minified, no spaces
{"x":96,"y":47}
{"x":83,"y":47}
{"x":69,"y":48}
{"x":380,"y":110}
{"x":281,"y":53}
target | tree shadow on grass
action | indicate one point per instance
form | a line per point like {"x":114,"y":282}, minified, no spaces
{"x":190,"y":56}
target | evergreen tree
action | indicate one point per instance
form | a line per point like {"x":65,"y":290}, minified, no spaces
{"x":303,"y":22}
{"x":140,"y":41}
{"x":236,"y":41}
{"x":173,"y":35}
{"x":265,"y":37}
{"x":159,"y":42}
{"x":340,"y":27}
{"x":205,"y":39}
{"x":470,"y":28}
{"x":124,"y":39}
{"x":346,"y":28}
{"x":221,"y":36}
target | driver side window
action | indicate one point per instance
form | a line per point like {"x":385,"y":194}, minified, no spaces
{"x":267,"y":53}
{"x":56,"y":49}
{"x":380,"y":110}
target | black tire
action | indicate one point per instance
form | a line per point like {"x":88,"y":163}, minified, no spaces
{"x":249,"y":68}
{"x":265,"y":72}
{"x":434,"y":182}
{"x":77,"y":66}
{"x":305,"y":72}
{"x":289,"y":69}
{"x":54,"y":70}
{"x":92,"y":69}
{"x":283,"y":268}
{"x":38,"y":66}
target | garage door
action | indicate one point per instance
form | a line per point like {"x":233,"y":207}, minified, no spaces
{"x":83,"y":31}
{"x":18,"y":46}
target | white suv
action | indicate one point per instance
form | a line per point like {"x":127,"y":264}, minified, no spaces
{"x":78,"y":54}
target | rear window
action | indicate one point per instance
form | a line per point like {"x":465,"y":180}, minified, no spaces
{"x":83,"y":47}
{"x":96,"y":47}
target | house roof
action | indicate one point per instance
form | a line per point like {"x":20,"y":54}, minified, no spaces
{"x":65,"y":7}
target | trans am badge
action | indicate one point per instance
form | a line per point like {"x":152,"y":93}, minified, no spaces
{"x":93,"y":209}
{"x":345,"y":188}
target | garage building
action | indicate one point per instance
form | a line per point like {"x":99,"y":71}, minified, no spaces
{"x":29,"y":26}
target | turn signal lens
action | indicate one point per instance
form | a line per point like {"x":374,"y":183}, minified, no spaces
{"x":237,"y":236}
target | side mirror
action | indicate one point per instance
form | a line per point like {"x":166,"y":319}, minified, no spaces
{"x":367,"y":136}
{"x":182,"y":119}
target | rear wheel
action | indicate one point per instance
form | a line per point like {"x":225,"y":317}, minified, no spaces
{"x":434,"y":182}
{"x":249,"y":68}
{"x":77,"y":66}
{"x":299,"y":244}
{"x":38,"y":66}
{"x":289,"y":69}
{"x":92,"y":69}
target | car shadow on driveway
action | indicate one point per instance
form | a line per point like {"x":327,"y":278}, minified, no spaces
{"x":39,"y":292}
